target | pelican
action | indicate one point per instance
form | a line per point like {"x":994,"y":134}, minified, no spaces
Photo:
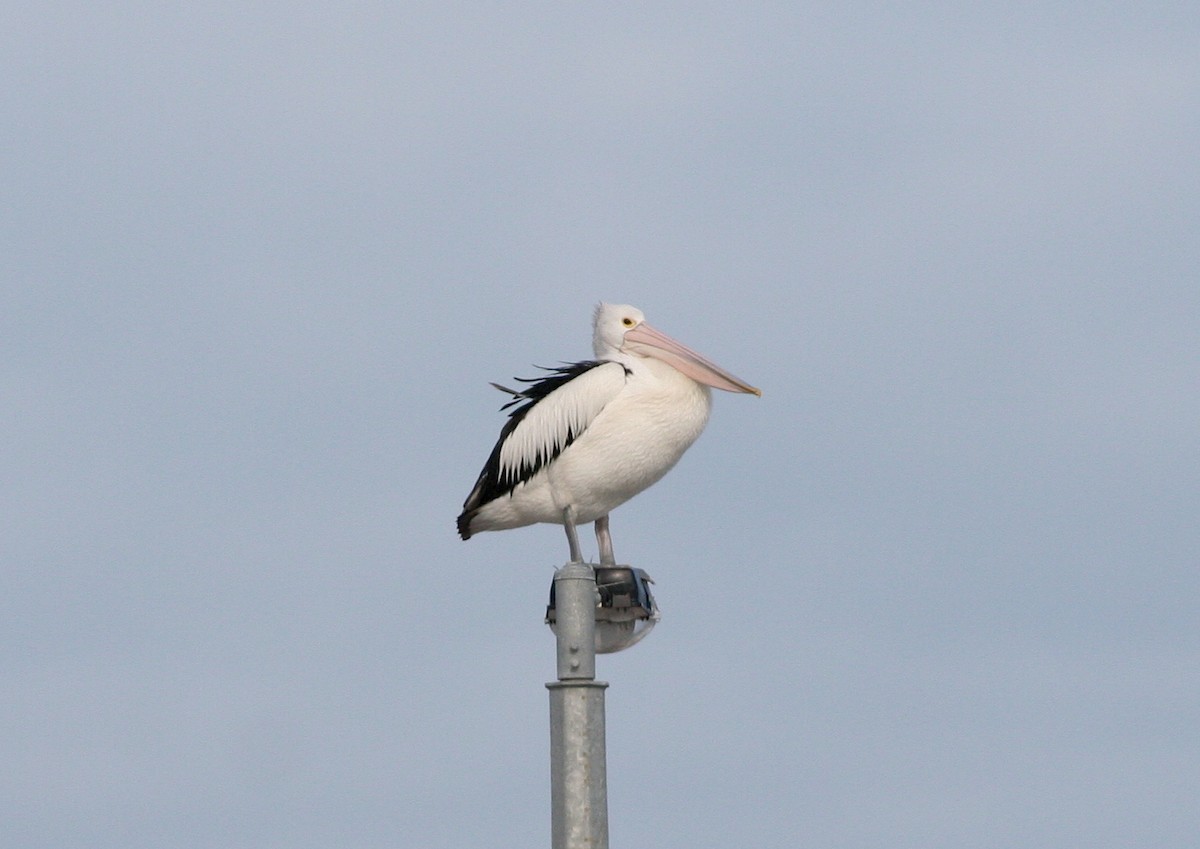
{"x":590,"y":435}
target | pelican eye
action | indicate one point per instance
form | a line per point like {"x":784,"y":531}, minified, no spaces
{"x":628,"y":322}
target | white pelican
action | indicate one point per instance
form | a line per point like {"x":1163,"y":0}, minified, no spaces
{"x":593,"y":434}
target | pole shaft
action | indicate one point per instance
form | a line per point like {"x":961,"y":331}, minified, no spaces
{"x":575,"y":609}
{"x":578,"y":780}
{"x":578,"y":785}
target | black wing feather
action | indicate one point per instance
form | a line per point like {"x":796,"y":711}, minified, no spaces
{"x":492,"y":482}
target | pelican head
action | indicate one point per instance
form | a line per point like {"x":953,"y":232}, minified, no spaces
{"x":622,"y":329}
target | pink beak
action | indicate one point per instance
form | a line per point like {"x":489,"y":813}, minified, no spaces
{"x":647,"y":341}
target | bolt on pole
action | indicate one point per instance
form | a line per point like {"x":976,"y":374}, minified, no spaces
{"x":578,"y":779}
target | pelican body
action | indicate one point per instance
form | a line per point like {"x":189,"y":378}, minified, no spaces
{"x":591,"y":435}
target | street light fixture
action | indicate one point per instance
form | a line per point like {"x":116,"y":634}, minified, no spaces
{"x":625,"y":609}
{"x":592,"y":609}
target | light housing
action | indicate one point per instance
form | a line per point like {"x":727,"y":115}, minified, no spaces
{"x":625,"y":610}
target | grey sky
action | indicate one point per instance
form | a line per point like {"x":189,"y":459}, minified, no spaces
{"x":937,"y":588}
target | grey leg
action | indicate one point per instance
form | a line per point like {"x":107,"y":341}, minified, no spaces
{"x":604,"y":540}
{"x":572,"y":536}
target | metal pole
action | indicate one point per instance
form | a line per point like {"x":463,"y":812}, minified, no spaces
{"x":578,"y":783}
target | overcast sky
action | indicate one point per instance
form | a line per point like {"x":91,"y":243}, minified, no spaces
{"x":936,"y":589}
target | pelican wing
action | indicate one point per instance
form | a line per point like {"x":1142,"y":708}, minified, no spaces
{"x":557,"y":409}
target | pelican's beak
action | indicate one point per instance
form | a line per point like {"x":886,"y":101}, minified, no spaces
{"x":647,"y":341}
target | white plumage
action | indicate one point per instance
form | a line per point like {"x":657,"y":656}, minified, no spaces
{"x":592,"y":435}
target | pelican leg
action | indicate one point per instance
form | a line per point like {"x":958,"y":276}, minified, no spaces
{"x":572,"y":535}
{"x":604,"y":540}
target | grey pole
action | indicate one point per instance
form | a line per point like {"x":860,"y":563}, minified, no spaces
{"x":578,"y":781}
